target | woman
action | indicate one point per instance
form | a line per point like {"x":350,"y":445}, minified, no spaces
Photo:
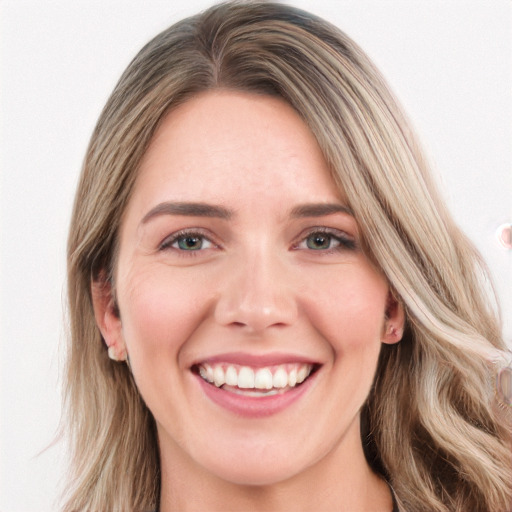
{"x":293,"y":320}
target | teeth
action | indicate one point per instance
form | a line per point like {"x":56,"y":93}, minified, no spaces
{"x":218,"y":376}
{"x":302,"y":374}
{"x":231,"y":376}
{"x":247,"y":378}
{"x":292,"y":378}
{"x":280,"y":379}
{"x":263,"y":379}
{"x":206,"y":372}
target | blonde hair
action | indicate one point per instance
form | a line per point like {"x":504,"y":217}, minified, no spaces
{"x":431,"y":424}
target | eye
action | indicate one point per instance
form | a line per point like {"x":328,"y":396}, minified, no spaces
{"x":187,"y":242}
{"x":321,"y":241}
{"x":326,"y":239}
{"x":191,"y":243}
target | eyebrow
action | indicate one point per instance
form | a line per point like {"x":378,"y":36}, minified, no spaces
{"x":188,"y":210}
{"x":319,"y":210}
{"x":215,"y":211}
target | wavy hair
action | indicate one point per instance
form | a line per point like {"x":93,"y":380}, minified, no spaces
{"x":431,"y":422}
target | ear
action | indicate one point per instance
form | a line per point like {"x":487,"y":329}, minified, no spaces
{"x":394,"y":324}
{"x":107,"y":317}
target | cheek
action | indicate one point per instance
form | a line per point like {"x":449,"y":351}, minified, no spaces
{"x":160,"y":311}
{"x":350,"y":309}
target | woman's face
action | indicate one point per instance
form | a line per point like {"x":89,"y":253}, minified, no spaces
{"x":252,"y":320}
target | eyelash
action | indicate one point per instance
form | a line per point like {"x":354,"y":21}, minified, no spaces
{"x":345,"y":242}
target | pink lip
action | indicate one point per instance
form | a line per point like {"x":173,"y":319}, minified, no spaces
{"x":255,"y":407}
{"x":256,"y":360}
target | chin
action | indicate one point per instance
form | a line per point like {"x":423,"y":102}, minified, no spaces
{"x":257,"y":465}
{"x":256,"y":474}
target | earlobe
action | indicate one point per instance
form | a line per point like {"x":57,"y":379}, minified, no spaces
{"x":393,"y":329}
{"x":107,"y":317}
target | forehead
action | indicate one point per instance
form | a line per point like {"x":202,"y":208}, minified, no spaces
{"x":222,"y":143}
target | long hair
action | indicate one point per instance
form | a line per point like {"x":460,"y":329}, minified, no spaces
{"x":431,"y":419}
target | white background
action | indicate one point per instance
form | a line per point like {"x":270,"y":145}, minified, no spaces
{"x":448,"y":61}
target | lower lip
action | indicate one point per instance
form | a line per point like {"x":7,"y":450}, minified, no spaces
{"x":251,"y":406}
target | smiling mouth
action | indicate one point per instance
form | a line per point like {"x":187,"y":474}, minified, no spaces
{"x":256,"y":382}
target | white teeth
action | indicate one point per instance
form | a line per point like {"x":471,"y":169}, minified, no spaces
{"x":292,"y":377}
{"x":263,"y":379}
{"x":218,"y":376}
{"x":302,"y":374}
{"x":280,"y":379}
{"x":231,"y":376}
{"x":246,"y":378}
{"x":206,"y":372}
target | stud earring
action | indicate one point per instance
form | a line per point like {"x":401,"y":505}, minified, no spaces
{"x":114,"y":354}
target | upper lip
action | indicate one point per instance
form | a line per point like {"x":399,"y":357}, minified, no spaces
{"x":256,"y":360}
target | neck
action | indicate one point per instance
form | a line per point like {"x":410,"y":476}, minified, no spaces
{"x":341,"y":481}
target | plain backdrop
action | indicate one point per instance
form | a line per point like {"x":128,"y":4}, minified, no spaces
{"x":448,"y":61}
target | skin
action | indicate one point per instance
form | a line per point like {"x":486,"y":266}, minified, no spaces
{"x":255,"y":286}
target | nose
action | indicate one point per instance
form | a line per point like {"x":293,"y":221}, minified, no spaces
{"x":258,"y":293}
